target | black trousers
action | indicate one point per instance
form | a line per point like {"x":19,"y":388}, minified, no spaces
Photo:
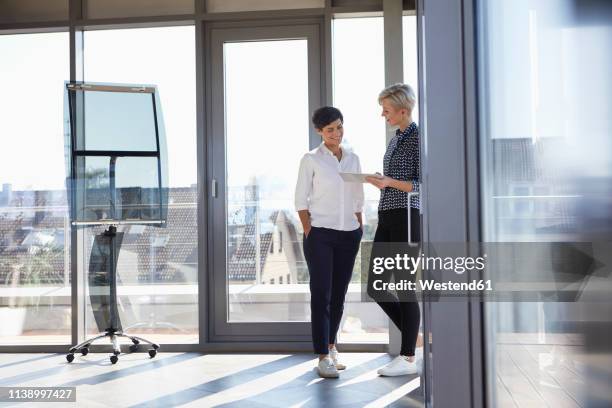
{"x":403,"y":311}
{"x":330,"y":255}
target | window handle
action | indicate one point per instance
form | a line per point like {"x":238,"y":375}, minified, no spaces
{"x":410,"y":243}
{"x":213,"y":188}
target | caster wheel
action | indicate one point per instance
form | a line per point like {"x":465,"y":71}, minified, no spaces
{"x":70,"y":357}
{"x":84,"y":351}
{"x":155,"y":346}
{"x":152,"y":353}
{"x":136,"y":342}
{"x":114,"y":359}
{"x":134,"y":348}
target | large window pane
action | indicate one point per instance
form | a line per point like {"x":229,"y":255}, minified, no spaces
{"x":546,"y":93}
{"x":359,"y":76}
{"x":266,"y":130}
{"x":34,"y":225}
{"x":158,"y":267}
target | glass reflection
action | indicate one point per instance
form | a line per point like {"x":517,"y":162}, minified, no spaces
{"x":119,"y":121}
{"x":546,"y":92}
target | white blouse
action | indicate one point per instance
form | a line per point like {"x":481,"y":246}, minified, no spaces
{"x":331,"y":201}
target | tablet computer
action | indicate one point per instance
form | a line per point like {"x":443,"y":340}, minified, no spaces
{"x":357,"y":177}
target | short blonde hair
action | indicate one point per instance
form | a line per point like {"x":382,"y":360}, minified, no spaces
{"x":402,"y":96}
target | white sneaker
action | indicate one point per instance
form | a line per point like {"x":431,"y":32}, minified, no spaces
{"x":327,"y":369}
{"x":333,"y":354}
{"x":399,"y":366}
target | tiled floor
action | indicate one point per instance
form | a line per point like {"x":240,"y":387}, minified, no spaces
{"x":211,"y":380}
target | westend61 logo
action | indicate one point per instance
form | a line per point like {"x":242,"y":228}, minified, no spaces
{"x":404,"y":262}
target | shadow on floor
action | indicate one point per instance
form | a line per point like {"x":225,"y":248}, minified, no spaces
{"x":116,"y":374}
{"x":269,"y":387}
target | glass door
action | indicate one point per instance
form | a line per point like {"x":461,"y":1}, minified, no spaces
{"x":265,"y":83}
{"x":546,"y":179}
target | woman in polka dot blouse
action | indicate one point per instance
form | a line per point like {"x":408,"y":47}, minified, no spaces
{"x":401,"y":176}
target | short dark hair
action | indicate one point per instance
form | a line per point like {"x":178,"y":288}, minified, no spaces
{"x":326,"y":115}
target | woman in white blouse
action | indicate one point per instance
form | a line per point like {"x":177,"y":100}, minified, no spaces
{"x":330,"y":212}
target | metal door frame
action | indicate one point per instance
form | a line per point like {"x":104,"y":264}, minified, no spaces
{"x":219,"y":328}
{"x":454,"y":375}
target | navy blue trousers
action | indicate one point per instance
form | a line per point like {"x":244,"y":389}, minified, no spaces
{"x":330,"y":256}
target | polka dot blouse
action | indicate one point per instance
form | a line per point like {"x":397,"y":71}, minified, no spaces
{"x":401,"y":162}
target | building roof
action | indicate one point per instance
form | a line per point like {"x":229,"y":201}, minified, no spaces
{"x":36,"y":221}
